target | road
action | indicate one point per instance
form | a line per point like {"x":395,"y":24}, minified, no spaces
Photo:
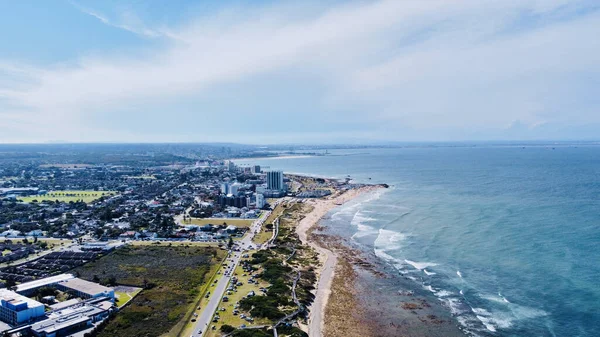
{"x":203,"y":321}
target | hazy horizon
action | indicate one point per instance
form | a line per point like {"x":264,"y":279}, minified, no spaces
{"x":374,"y":144}
{"x":314,"y":72}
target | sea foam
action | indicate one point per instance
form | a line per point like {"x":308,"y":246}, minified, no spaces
{"x":362,"y":230}
{"x":420,"y":265}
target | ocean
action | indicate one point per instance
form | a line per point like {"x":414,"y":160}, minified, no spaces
{"x":506,"y":237}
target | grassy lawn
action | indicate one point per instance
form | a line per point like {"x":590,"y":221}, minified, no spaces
{"x":173,"y":277}
{"x":265,"y":234}
{"x":125,"y":294}
{"x":67,"y":196}
{"x":121,"y":298}
{"x":227,"y":316}
{"x":53,"y":242}
{"x":219,"y":221}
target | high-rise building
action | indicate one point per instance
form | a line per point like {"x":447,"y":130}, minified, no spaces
{"x":234,"y":188}
{"x":260,"y":200}
{"x":231,"y":166}
{"x":275,"y":180}
{"x":225,"y":188}
{"x":256,"y":169}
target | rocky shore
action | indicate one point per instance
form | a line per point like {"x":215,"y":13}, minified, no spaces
{"x":359,"y":295}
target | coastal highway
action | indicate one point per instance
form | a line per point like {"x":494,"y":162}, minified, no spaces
{"x":204,"y":320}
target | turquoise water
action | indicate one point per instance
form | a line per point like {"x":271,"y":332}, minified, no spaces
{"x":508,"y":238}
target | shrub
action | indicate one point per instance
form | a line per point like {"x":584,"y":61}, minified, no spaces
{"x":227,"y":328}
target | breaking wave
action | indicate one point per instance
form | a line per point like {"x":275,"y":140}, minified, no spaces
{"x":420,"y":265}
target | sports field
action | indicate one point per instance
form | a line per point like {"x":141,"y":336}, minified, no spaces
{"x":68,"y":195}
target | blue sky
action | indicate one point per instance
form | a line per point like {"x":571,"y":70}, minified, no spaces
{"x":299,"y":72}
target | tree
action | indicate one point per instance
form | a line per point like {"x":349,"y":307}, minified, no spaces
{"x":45,"y":291}
{"x":230,"y":243}
{"x":166,"y":226}
{"x":227,"y":328}
{"x":10,"y":282}
{"x":111,"y":281}
{"x":96,"y":279}
{"x":99,"y":232}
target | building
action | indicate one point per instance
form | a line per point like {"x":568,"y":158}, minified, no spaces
{"x":260,"y":200}
{"x":225,"y":188}
{"x":231,"y":200}
{"x":231,"y":166}
{"x":274,"y":193}
{"x":260,"y":189}
{"x":97,"y":246}
{"x":16,"y":309}
{"x":85,"y":289}
{"x":234,"y":188}
{"x":275,"y":180}
{"x":75,"y":318}
{"x":256,"y":169}
{"x":19,"y":191}
{"x":29,"y":288}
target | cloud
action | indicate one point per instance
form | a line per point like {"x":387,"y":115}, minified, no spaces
{"x":431,"y":68}
{"x":128,"y":21}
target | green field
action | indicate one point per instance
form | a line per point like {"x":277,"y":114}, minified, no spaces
{"x":264,"y":235}
{"x":126,"y":295}
{"x":69,"y":195}
{"x":172,"y":277}
{"x":219,"y":221}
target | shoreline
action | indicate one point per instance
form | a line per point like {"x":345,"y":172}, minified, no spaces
{"x":289,"y":156}
{"x":329,"y":259}
{"x":357,"y":294}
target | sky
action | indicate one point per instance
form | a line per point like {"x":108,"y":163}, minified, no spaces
{"x":268,"y":72}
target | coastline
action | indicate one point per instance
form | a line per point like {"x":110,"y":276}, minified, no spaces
{"x":329,"y":260}
{"x":288,"y":156}
{"x":357,"y":294}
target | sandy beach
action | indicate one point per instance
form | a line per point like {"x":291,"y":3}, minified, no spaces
{"x":316,"y":322}
{"x":356,"y":295}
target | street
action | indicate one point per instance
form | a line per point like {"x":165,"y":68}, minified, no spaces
{"x":204,"y":320}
